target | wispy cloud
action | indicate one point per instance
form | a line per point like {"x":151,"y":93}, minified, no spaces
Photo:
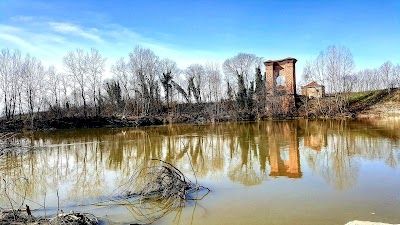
{"x":9,"y":29}
{"x":22,"y":19}
{"x":69,"y":28}
{"x":17,"y":41}
{"x":51,"y":40}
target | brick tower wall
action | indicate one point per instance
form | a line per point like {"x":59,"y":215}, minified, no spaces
{"x":287,"y":68}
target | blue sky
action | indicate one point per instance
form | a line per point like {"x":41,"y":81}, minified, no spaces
{"x":198,"y":31}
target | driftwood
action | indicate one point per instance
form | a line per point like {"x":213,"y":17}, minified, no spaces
{"x":18,"y":217}
{"x":159,"y":180}
{"x":155,"y":189}
{"x":74,"y":218}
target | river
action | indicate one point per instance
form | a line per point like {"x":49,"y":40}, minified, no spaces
{"x":269,"y":172}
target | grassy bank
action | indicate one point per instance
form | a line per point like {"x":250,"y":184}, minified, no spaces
{"x":380,"y":103}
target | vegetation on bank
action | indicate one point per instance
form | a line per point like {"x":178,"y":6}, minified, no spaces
{"x":380,"y":103}
{"x":355,"y":105}
{"x":147,"y":90}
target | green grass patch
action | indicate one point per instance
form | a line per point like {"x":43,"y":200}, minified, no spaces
{"x":360,"y":96}
{"x":367,"y":96}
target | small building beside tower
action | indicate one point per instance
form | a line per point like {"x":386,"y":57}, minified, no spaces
{"x":313,"y":90}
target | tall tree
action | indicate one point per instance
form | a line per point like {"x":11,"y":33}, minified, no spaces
{"x":386,"y":70}
{"x":195,"y":75}
{"x":242,"y":67}
{"x":396,"y":75}
{"x":55,"y":89}
{"x":333,"y":68}
{"x":143,"y":65}
{"x":260,"y":92}
{"x":126,"y":80}
{"x":10,"y":81}
{"x":339,"y":64}
{"x":95,"y":64}
{"x":114,"y":94}
{"x":75,"y":64}
{"x":168,"y":71}
{"x":213,"y":82}
{"x":33,"y":75}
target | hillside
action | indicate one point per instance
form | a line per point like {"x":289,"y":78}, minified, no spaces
{"x":372,"y":104}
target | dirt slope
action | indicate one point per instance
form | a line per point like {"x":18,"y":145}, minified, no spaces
{"x":376,"y":104}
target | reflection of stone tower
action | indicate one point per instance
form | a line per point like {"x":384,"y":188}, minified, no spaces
{"x":281,"y":101}
{"x":291,"y":167}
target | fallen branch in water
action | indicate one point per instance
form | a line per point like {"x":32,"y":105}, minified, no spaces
{"x":156,"y":189}
{"x":11,"y":144}
{"x":160,"y":180}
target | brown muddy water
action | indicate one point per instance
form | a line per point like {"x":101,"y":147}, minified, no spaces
{"x":272,"y":172}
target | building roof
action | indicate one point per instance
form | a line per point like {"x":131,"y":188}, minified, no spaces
{"x":281,"y":60}
{"x":313,"y":84}
{"x":280,"y":87}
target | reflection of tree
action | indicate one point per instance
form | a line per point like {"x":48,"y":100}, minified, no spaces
{"x":336,"y":165}
{"x":244,"y":174}
{"x":246,"y":142}
{"x":314,"y":134}
{"x":89,"y":182}
{"x":86,"y":163}
{"x":346,"y":141}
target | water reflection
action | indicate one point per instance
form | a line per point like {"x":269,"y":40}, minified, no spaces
{"x":91,"y":163}
{"x":284,"y":150}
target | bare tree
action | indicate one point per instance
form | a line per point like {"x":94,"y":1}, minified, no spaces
{"x":95,"y":64}
{"x":54,"y":89}
{"x":334,"y":68}
{"x":386,"y":70}
{"x":213,"y":82}
{"x":319,"y":69}
{"x":308,"y":72}
{"x":396,"y":75}
{"x":143,"y":65}
{"x":241,"y":67}
{"x":10,"y":82}
{"x":339,"y":65}
{"x":33,"y":75}
{"x":243,"y":64}
{"x":195,"y":75}
{"x":126,"y":81}
{"x":75,"y":64}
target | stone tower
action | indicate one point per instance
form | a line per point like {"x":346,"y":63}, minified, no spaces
{"x":281,"y":98}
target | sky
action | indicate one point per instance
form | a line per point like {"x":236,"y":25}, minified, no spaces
{"x":203,"y":30}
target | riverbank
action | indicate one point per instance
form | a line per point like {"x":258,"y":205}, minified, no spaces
{"x":376,"y":104}
{"x":361,"y":105}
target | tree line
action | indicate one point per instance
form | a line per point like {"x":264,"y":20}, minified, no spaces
{"x":143,"y":84}
{"x":335,"y":69}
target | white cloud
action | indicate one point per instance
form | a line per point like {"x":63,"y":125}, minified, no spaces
{"x":17,"y":41}
{"x":9,"y":29}
{"x":68,"y":28}
{"x":50,"y":41}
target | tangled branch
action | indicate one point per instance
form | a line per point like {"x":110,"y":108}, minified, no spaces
{"x":156,"y":189}
{"x":10,"y":143}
